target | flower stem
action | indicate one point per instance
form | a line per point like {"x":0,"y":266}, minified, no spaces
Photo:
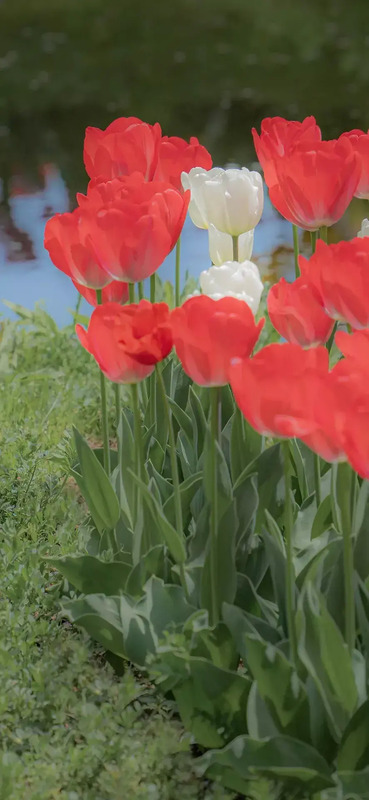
{"x":139,"y":456}
{"x":104,"y":411}
{"x":290,"y":576}
{"x":178,"y":273}
{"x":348,"y":556}
{"x":214,"y":426}
{"x":313,"y":235}
{"x":175,"y":475}
{"x":117,"y":404}
{"x":295,"y":232}
{"x":235,"y":247}
{"x":131,"y":291}
{"x":323,"y":232}
{"x":78,"y":304}
{"x":318,"y":494}
{"x":140,"y":290}
{"x":152,"y":288}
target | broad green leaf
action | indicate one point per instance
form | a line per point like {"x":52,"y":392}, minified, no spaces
{"x":99,"y":453}
{"x":325,"y":655}
{"x":187,"y":455}
{"x":353,"y":754}
{"x":246,"y":444}
{"x":299,"y":467}
{"x":184,"y":421}
{"x":268,"y":467}
{"x":151,"y":563}
{"x":95,"y":486}
{"x":281,"y":757}
{"x":90,"y":575}
{"x":187,"y":490}
{"x":164,"y":486}
{"x":323,"y":518}
{"x":170,"y":536}
{"x":260,"y":724}
{"x":341,"y":493}
{"x":199,"y":426}
{"x":354,"y":785}
{"x":361,"y":507}
{"x":362,"y":608}
{"x":164,"y":605}
{"x":241,"y":623}
{"x":277,"y":566}
{"x":213,"y":643}
{"x":247,"y":500}
{"x":279,"y":686}
{"x":224,"y":484}
{"x":115,"y":623}
{"x":225,"y":569}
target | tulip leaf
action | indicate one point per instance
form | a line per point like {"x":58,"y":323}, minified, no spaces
{"x":246,"y":444}
{"x":184,"y":421}
{"x":299,"y":466}
{"x":225,"y":582}
{"x":95,"y":486}
{"x":323,"y":518}
{"x":151,"y":563}
{"x":281,"y":758}
{"x":164,"y":606}
{"x":353,"y":754}
{"x":199,"y":426}
{"x":354,"y":785}
{"x":187,"y":490}
{"x":89,"y":574}
{"x":169,"y":535}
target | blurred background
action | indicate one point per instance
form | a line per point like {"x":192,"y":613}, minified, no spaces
{"x":210,"y":68}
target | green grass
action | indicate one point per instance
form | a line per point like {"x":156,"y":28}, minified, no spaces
{"x":69,"y":728}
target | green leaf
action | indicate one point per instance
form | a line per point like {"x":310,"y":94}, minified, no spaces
{"x":151,"y":563}
{"x":90,"y":575}
{"x":353,"y":754}
{"x":199,"y":425}
{"x":226,"y":574}
{"x":214,"y":643}
{"x":241,"y":623}
{"x":268,"y":467}
{"x":277,"y":565}
{"x":165,"y":606}
{"x":187,"y":455}
{"x":170,"y":537}
{"x":354,"y":785}
{"x":281,"y":757}
{"x":279,"y":686}
{"x":362,"y":607}
{"x":340,"y":493}
{"x":184,"y":421}
{"x":95,"y":486}
{"x":187,"y":490}
{"x":299,"y":467}
{"x":115,"y":623}
{"x":325,"y":655}
{"x":224,"y":484}
{"x":323,"y":518}
{"x":246,"y":444}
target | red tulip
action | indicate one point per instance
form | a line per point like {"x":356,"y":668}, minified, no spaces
{"x":317,"y":181}
{"x":277,"y":137}
{"x":354,"y":345}
{"x":127,"y":341}
{"x":339,"y":275}
{"x":208,"y":333}
{"x":177,"y":156}
{"x":68,"y":244}
{"x":127,"y":145}
{"x":116,"y":292}
{"x":297,"y":314}
{"x":350,"y":380}
{"x":285,"y":391}
{"x":360,"y":142}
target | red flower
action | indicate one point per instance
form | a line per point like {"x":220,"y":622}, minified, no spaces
{"x":285,"y":391}
{"x":68,"y":245}
{"x":360,"y":142}
{"x":127,"y":145}
{"x":297,"y":314}
{"x":350,"y":380}
{"x":277,"y":137}
{"x":317,"y":181}
{"x":208,"y":333}
{"x":116,"y":292}
{"x":339,"y":275}
{"x":127,"y":341}
{"x":354,"y":345}
{"x":177,"y":156}
{"x":132,"y":225}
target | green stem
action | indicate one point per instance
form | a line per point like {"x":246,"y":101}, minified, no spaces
{"x":323,"y":232}
{"x":214,"y":425}
{"x":348,"y":555}
{"x":178,"y":273}
{"x":78,"y":304}
{"x":313,"y":235}
{"x":175,"y":475}
{"x":131,"y":292}
{"x":331,"y":338}
{"x":290,"y":576}
{"x":235,"y":247}
{"x":104,"y":410}
{"x":295,"y":232}
{"x":139,"y":456}
{"x":140,"y":290}
{"x":318,"y":494}
{"x":117,"y":404}
{"x":152,"y":288}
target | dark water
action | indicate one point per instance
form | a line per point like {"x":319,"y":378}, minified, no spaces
{"x":211,"y":68}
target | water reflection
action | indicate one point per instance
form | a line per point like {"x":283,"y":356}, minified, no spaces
{"x":27,"y":274}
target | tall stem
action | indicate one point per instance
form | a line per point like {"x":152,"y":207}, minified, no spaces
{"x":131,"y":292}
{"x":104,"y":410}
{"x":323,"y":232}
{"x":214,"y":426}
{"x":348,"y":556}
{"x":295,"y":232}
{"x":139,"y":456}
{"x":152,"y":288}
{"x":178,"y":273}
{"x":174,"y":467}
{"x":290,"y":577}
{"x":235,"y":247}
{"x":140,"y":290}
{"x":78,"y":304}
{"x":117,"y":404}
{"x":318,"y":493}
{"x":313,"y":235}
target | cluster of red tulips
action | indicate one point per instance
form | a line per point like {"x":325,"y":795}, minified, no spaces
{"x":132,"y":217}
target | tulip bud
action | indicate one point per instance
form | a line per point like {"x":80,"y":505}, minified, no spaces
{"x":233,"y":280}
{"x":221,"y":246}
{"x":230,"y":199}
{"x":364,"y":230}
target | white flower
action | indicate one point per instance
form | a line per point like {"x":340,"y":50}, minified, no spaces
{"x":364,"y":230}
{"x":221,"y":246}
{"x":233,"y":279}
{"x":230,"y":199}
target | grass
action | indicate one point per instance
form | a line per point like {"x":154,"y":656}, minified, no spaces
{"x":69,"y":728}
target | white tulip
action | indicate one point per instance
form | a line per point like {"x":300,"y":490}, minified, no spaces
{"x":230,"y":199}
{"x":233,"y":279}
{"x":364,"y":230}
{"x":221,"y":246}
